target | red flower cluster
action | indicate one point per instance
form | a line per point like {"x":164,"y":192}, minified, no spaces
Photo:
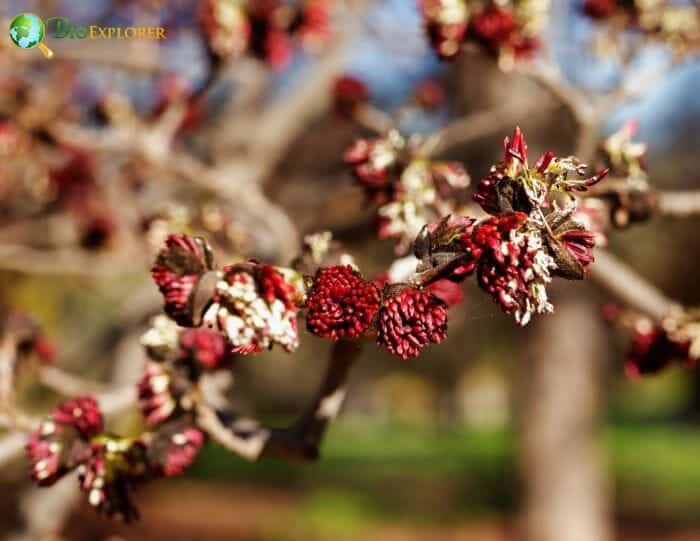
{"x":81,"y":413}
{"x":205,"y":347}
{"x":173,"y":449}
{"x":156,"y":397}
{"x":108,"y":466}
{"x":446,"y":25}
{"x":348,"y":94}
{"x":225,"y":27}
{"x":274,"y":286}
{"x":376,"y":163}
{"x":179,"y":451}
{"x":266,"y":28}
{"x":675,"y":24}
{"x":498,"y":187}
{"x":61,"y":441}
{"x":410,"y":320}
{"x":496,"y":28}
{"x":599,"y":9}
{"x":341,"y":304}
{"x":512,"y":267}
{"x":493,"y":27}
{"x":178,"y":268}
{"x":652,"y":350}
{"x":255,"y":307}
{"x":654,"y":346}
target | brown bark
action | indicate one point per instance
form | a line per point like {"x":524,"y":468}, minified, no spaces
{"x":565,"y":490}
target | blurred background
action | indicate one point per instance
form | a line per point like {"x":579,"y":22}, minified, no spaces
{"x":438,"y":448}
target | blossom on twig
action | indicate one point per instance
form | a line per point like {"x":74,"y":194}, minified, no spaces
{"x":177,"y":270}
{"x":409,"y":320}
{"x":341,"y":304}
{"x":255,"y":307}
{"x":60,"y":442}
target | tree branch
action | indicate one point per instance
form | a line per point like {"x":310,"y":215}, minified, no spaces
{"x":475,"y":126}
{"x":679,"y":204}
{"x":628,"y":286}
{"x":301,"y":441}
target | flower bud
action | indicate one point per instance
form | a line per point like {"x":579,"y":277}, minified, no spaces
{"x":177,"y":271}
{"x":60,"y":442}
{"x":341,"y":304}
{"x":410,"y":320}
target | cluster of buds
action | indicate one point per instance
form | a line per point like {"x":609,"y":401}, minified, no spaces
{"x":656,"y":346}
{"x":529,"y":238}
{"x":513,"y":266}
{"x":673,"y":23}
{"x":507,"y":30}
{"x":179,"y":356}
{"x":446,"y":25}
{"x":412,"y":191}
{"x":409,"y":320}
{"x":72,"y":438}
{"x":425,"y":191}
{"x":159,"y":395}
{"x":252,"y":305}
{"x":268,"y":29}
{"x":255,"y":307}
{"x":630,"y":198}
{"x":514,"y":186}
{"x":178,"y":269}
{"x":377,"y":163}
{"x":111,"y":468}
{"x":341,"y":304}
{"x":62,"y":440}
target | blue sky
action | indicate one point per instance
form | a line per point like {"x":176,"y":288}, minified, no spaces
{"x":391,"y":55}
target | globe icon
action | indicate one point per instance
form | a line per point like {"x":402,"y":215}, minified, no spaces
{"x":27,"y":30}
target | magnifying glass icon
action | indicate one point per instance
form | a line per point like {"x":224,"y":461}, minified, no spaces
{"x":27,"y":31}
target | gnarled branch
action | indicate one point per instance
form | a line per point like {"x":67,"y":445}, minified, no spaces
{"x":249,"y":439}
